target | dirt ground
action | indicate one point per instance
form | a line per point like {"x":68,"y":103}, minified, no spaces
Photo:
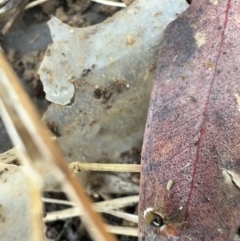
{"x":25,"y":46}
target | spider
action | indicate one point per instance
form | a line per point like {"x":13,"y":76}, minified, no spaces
{"x":165,"y":224}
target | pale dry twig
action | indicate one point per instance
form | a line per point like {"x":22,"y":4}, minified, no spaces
{"x":76,"y":167}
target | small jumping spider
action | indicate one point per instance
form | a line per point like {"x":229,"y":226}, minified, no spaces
{"x":166,"y":225}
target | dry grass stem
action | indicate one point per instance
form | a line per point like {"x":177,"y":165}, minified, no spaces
{"x":103,"y":206}
{"x":36,"y":212}
{"x":14,"y":17}
{"x":109,"y":204}
{"x":75,"y":212}
{"x":57,"y":201}
{"x":62,"y":214}
{"x":118,"y":202}
{"x":35,"y":148}
{"x":110,"y":3}
{"x":76,"y":167}
{"x":35,"y":3}
{"x":126,"y":216}
{"x":127,"y":231}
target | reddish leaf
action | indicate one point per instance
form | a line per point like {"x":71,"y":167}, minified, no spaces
{"x":192,"y":135}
